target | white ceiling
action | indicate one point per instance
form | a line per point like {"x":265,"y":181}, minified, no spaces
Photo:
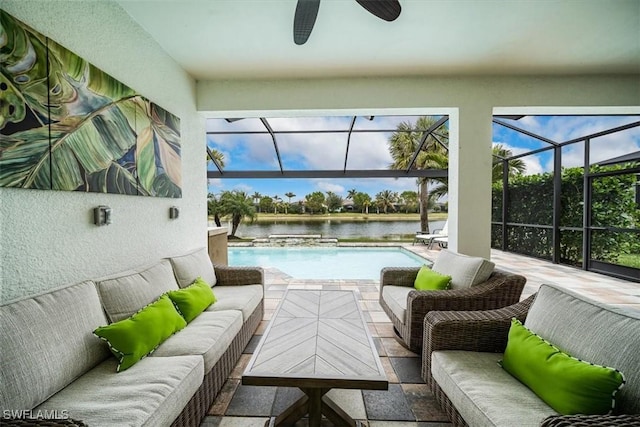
{"x":230,"y":39}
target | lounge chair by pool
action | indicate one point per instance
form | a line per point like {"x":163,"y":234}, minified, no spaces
{"x":427,"y":239}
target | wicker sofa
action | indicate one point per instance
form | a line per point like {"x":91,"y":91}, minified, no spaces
{"x":54,"y":367}
{"x":462,"y":348}
{"x":407,"y":307}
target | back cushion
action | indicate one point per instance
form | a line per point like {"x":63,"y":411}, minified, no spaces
{"x":195,"y":264}
{"x":47,"y":342}
{"x":125,"y":293}
{"x":464,"y":270}
{"x":594,"y":332}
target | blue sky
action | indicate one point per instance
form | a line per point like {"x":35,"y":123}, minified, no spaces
{"x":369,"y":150}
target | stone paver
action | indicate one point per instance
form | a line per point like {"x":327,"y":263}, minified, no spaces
{"x":408,"y":403}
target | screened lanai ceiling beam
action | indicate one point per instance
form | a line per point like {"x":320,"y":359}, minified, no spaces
{"x":526,"y":132}
{"x":215,"y":162}
{"x":275,"y":143}
{"x":529,"y":153}
{"x":346,"y":154}
{"x":435,"y":126}
{"x":367,"y":173}
{"x":302,"y":131}
{"x":434,"y":135}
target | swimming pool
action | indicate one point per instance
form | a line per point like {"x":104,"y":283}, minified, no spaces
{"x":326,"y":263}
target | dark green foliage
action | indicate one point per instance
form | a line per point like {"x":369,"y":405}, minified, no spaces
{"x":315,"y":202}
{"x":530,"y":201}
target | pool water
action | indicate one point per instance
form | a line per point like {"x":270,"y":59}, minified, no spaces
{"x":326,"y":263}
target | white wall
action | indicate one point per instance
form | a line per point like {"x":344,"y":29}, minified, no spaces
{"x":48,"y":238}
{"x":470,"y":102}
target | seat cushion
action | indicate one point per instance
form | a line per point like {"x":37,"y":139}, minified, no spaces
{"x":151,"y":393}
{"x":208,"y":335}
{"x":485,"y":394}
{"x":238,"y":297}
{"x":125,"y":293}
{"x":192,"y":265}
{"x":465,"y":271}
{"x":46,"y":343}
{"x":396,"y":299}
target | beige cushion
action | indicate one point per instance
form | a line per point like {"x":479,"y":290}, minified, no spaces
{"x":396,"y":299}
{"x":125,"y":293}
{"x":189,"y":267}
{"x":46,"y":343}
{"x":151,"y":393}
{"x":465,"y":271}
{"x":484,"y":393}
{"x":239,"y":297}
{"x":208,"y":335}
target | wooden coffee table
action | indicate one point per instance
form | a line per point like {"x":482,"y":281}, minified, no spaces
{"x":316,"y":341}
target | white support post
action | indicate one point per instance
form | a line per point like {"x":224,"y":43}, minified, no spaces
{"x":470,"y":181}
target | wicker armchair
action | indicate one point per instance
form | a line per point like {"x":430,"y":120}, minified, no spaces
{"x":500,"y":290}
{"x":487,"y":331}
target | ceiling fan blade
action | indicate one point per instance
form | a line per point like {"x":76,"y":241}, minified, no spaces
{"x":388,"y":10}
{"x":305,"y":17}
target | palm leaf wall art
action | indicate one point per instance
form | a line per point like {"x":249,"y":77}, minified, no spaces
{"x":66,"y":125}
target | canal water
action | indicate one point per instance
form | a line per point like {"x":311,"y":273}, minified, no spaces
{"x":333,"y":228}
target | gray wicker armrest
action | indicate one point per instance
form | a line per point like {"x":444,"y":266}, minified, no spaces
{"x":484,"y":331}
{"x":229,"y":276}
{"x":591,"y":420}
{"x":500,"y":290}
{"x":398,"y":276}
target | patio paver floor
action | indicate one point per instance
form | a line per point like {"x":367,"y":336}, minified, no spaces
{"x":408,"y":403}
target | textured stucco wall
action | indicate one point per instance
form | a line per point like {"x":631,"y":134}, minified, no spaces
{"x":47,"y":238}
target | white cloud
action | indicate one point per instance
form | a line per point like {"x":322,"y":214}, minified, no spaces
{"x":327,"y":186}
{"x":215,"y":182}
{"x":243,"y":187}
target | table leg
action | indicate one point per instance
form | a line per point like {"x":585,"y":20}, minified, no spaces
{"x":336,"y":414}
{"x":293,"y":413}
{"x":315,"y":406}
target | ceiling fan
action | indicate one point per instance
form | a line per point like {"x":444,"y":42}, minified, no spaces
{"x":307,"y":11}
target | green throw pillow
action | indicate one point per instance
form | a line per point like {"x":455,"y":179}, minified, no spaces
{"x":194,"y":299}
{"x":133,"y":338}
{"x":429,"y":280}
{"x":569,"y":385}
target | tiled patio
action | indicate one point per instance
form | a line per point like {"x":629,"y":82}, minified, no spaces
{"x":408,"y":402}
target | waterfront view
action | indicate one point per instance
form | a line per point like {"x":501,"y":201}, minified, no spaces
{"x":339,"y":228}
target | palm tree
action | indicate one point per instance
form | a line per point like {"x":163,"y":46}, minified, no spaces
{"x":288,"y":195}
{"x":256,"y":200}
{"x":351,"y":193}
{"x":237,"y":205}
{"x":366,"y":203}
{"x":386,"y":199}
{"x":214,"y":208}
{"x":217,"y":155}
{"x":362,"y":200}
{"x":516,"y":166}
{"x":276,"y":203}
{"x":402,"y":146}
